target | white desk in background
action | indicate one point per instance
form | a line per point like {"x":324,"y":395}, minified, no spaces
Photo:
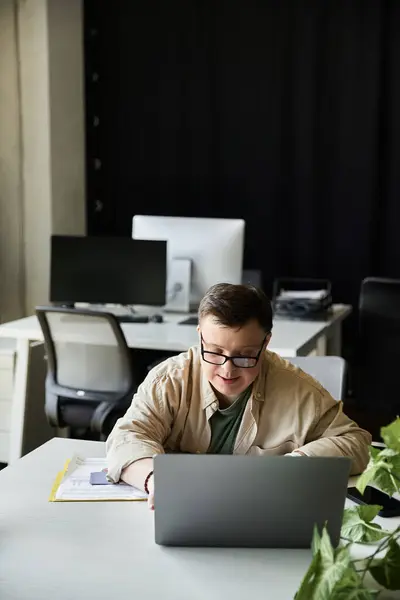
{"x":289,"y":338}
{"x":103,"y":550}
{"x":29,"y":427}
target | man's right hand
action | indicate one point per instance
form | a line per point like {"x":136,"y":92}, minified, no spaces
{"x":150,"y":486}
{"x":136,"y":474}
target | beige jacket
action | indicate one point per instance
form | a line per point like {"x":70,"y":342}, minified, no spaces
{"x":287,"y":410}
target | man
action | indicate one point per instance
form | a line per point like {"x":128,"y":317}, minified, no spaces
{"x":230,"y":395}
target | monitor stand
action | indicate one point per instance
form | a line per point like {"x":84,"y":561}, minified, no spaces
{"x":178,"y":285}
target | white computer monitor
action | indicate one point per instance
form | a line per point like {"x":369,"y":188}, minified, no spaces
{"x":213,"y":246}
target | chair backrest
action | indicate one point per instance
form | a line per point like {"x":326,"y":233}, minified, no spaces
{"x":378,"y":355}
{"x":330,"y":371}
{"x":86,"y":350}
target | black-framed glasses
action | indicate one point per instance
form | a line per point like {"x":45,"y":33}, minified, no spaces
{"x":243,"y":362}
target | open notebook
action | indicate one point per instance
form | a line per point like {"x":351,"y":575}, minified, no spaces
{"x":72,"y":484}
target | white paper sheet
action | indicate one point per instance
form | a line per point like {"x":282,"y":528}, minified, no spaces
{"x":309,"y":294}
{"x":75,"y":484}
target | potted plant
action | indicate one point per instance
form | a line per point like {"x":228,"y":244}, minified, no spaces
{"x":333,"y":573}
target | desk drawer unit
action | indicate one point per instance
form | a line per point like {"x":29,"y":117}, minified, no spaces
{"x":7,"y":363}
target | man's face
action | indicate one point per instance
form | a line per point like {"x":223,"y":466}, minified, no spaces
{"x":230,"y":380}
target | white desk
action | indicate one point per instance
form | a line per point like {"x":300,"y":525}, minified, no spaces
{"x":289,"y":338}
{"x":106,"y":550}
{"x":29,"y":428}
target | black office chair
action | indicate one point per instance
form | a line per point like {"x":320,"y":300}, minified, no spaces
{"x":379,"y":348}
{"x":89,"y":382}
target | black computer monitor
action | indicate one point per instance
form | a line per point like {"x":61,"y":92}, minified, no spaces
{"x":101,"y":270}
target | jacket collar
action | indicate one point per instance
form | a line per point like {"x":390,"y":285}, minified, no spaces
{"x":259,"y":382}
{"x":207,"y":393}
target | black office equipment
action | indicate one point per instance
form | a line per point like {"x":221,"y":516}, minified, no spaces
{"x":189,"y":321}
{"x":378,"y":352}
{"x":107,"y":270}
{"x":90,"y":381}
{"x":300,"y":298}
{"x":252,"y":277}
{"x":132,"y":318}
{"x":390,"y":506}
{"x":156,"y":318}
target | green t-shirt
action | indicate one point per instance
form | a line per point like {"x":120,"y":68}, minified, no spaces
{"x":225,"y":425}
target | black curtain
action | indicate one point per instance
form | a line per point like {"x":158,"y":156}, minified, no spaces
{"x":283,"y":112}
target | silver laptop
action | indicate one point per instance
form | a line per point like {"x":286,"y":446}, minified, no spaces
{"x":247,"y":501}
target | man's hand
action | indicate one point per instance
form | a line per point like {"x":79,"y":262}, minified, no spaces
{"x":295,"y":453}
{"x":150,"y":486}
{"x":136,"y":474}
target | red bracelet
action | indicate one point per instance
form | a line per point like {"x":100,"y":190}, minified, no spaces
{"x":146,"y":482}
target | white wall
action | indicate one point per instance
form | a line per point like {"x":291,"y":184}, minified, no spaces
{"x":67,"y":128}
{"x":43,"y":191}
{"x":36,"y":168}
{"x":12,"y":300}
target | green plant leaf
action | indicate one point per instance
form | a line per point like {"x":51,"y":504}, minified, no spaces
{"x":334,"y":564}
{"x":368,"y":475}
{"x":357,"y":526}
{"x":327,"y":568}
{"x":353,"y":593}
{"x":386,"y":571}
{"x":374,"y":452}
{"x":326,"y":549}
{"x":316,"y":541}
{"x":391,"y":435}
{"x":350,"y":587}
{"x":388,"y":453}
{"x":391,"y":458}
{"x":366,"y":512}
{"x":383,"y":471}
{"x":305,"y":591}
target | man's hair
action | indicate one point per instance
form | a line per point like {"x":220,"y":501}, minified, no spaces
{"x":235,"y":305}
